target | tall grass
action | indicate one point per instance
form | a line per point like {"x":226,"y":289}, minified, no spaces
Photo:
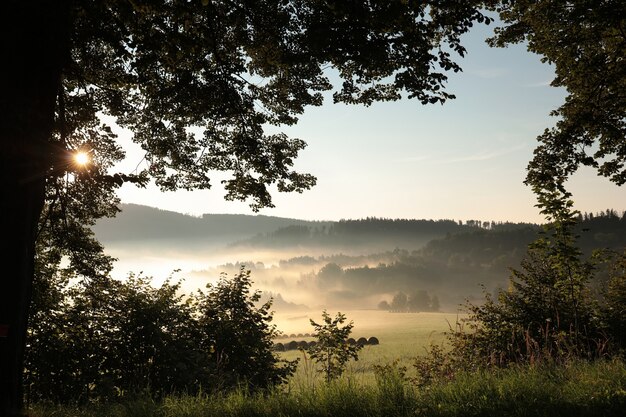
{"x":579,"y":389}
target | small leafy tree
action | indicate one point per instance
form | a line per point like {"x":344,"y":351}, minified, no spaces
{"x":613,"y":309}
{"x":332,"y":350}
{"x":549,"y":310}
{"x":238,"y":336}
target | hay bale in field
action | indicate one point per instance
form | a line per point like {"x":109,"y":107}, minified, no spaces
{"x":373,"y":341}
{"x":361,"y":341}
{"x":351,"y":341}
{"x":279,"y":347}
{"x":312,"y":343}
{"x":293,"y":345}
{"x":302,"y":345}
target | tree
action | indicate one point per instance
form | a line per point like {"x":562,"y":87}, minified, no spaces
{"x":418,"y":300}
{"x":332,"y":350}
{"x":238,"y":335}
{"x":196,"y":82}
{"x":585,"y":40}
{"x":548,"y":311}
{"x":399,"y":302}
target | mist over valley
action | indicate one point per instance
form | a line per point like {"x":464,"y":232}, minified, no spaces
{"x":350,"y":264}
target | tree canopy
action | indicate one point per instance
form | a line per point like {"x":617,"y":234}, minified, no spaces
{"x":197,"y":83}
{"x":585,"y":41}
{"x":231,"y":68}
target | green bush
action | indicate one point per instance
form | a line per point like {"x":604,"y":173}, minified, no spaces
{"x":105,"y":339}
{"x":332,"y":350}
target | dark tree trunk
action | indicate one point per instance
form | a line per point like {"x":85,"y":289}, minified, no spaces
{"x":33,"y":42}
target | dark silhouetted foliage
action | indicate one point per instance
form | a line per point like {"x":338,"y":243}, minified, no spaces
{"x":103,"y":339}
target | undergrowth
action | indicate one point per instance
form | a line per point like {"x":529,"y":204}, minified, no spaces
{"x":578,"y":389}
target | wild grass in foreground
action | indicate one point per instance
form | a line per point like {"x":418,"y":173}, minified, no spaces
{"x":579,"y":389}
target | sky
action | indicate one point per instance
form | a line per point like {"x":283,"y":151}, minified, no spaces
{"x":464,"y":160}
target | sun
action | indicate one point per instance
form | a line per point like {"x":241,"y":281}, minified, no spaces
{"x":81,"y":158}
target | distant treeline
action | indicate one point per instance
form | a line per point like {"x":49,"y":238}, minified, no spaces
{"x":374,"y":231}
{"x":136,"y":222}
{"x":455,"y":266}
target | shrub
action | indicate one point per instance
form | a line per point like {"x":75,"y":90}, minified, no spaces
{"x":332,"y":350}
{"x":238,"y":335}
{"x":106,"y":338}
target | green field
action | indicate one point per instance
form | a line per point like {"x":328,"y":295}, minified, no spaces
{"x":402,"y":336}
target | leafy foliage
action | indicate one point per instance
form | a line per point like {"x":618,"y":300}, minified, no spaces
{"x":613,"y":307}
{"x":238,"y":334}
{"x":586,"y":42}
{"x":104,"y":339}
{"x":552,"y":311}
{"x":227,"y":70}
{"x":332,"y":350}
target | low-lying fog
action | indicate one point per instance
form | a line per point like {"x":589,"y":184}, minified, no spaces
{"x":400,"y":265}
{"x":290,"y":276}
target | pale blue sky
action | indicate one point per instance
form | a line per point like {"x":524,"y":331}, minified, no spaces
{"x":463,"y":160}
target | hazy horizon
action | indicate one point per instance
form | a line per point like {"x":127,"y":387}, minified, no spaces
{"x":351,"y":264}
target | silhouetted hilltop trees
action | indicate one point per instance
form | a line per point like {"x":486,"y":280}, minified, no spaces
{"x":602,"y":230}
{"x":137,"y":222}
{"x":372,"y":232}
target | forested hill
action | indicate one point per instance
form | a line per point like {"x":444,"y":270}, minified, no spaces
{"x":137,"y":222}
{"x":453,"y":267}
{"x":143,"y":223}
{"x":372,"y":233}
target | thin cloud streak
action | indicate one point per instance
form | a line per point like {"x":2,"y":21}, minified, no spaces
{"x":416,"y":158}
{"x":483,"y":156}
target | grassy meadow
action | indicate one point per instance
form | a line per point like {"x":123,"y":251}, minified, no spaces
{"x":580,"y":389}
{"x":402,"y":337}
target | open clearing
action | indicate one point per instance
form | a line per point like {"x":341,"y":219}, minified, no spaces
{"x":402,"y":336}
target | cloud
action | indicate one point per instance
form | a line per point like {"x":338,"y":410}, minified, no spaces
{"x":482,"y":156}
